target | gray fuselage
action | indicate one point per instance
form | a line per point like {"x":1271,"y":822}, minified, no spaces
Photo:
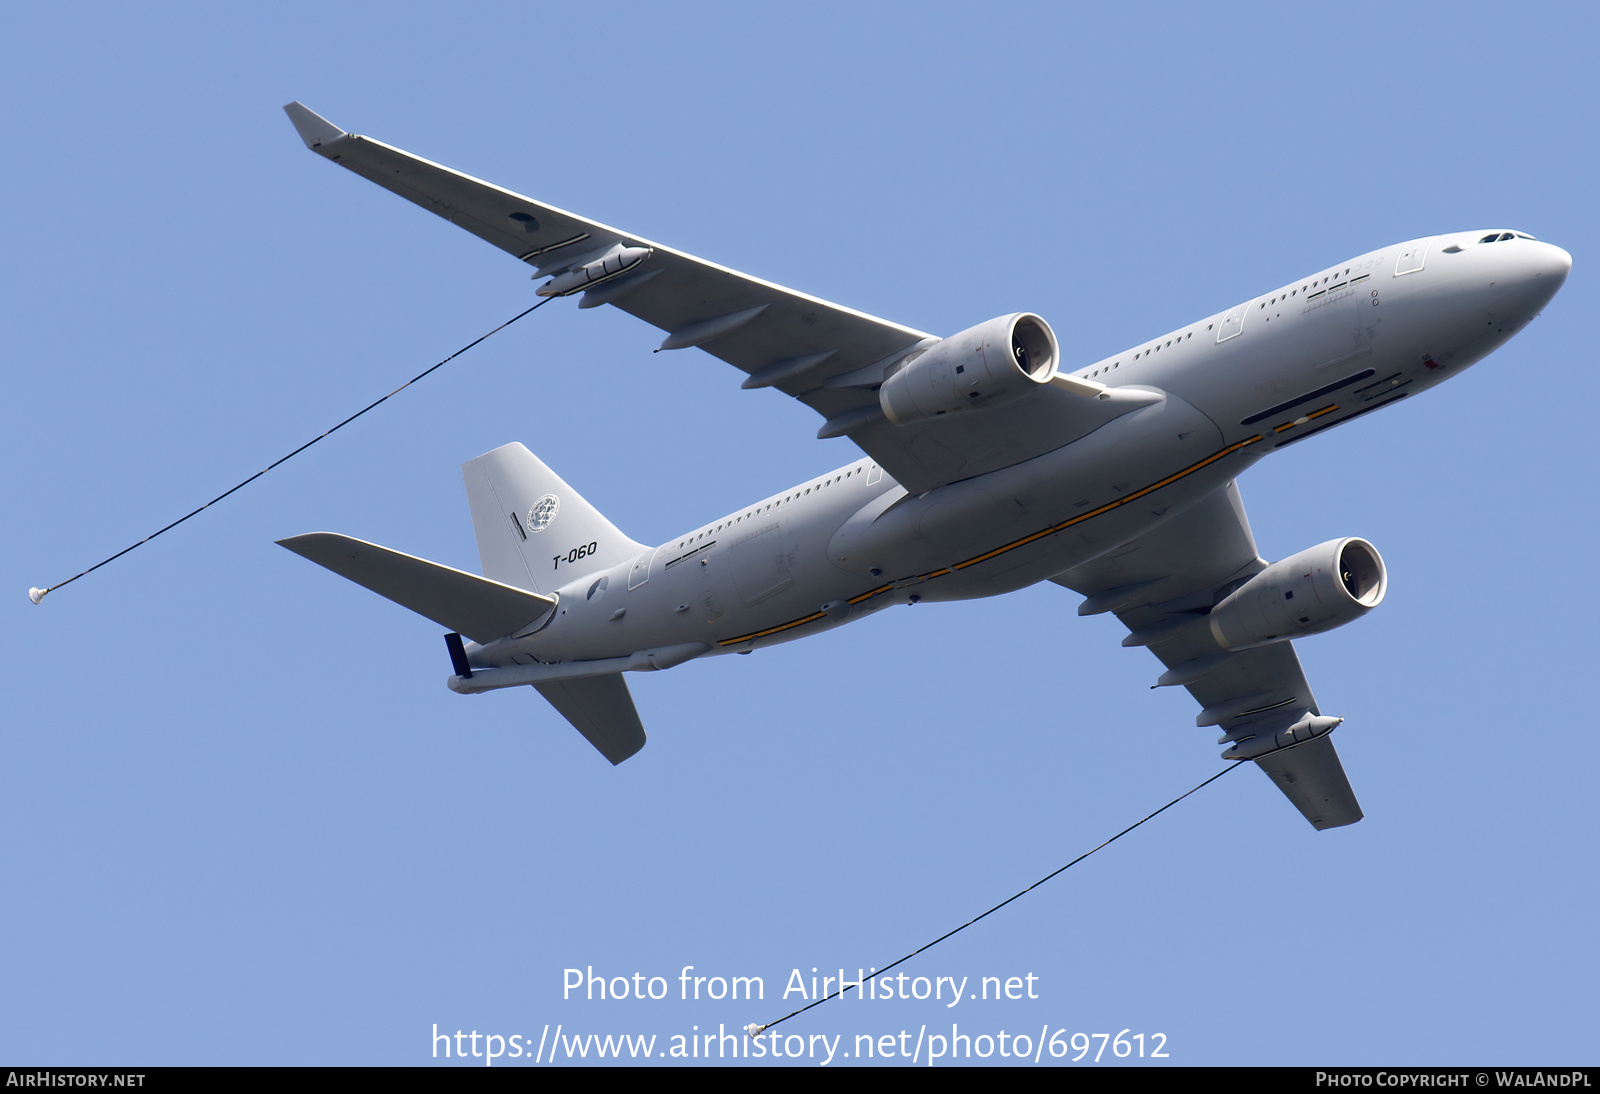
{"x":1225,"y":391}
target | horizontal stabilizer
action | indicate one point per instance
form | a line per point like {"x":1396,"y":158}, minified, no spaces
{"x":1314,"y":779}
{"x":600,"y":708}
{"x":481,"y":609}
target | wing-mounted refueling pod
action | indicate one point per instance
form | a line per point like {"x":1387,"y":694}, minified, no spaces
{"x":1251,"y":744}
{"x":583,"y":275}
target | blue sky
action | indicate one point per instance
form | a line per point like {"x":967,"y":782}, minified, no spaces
{"x":246,"y":823}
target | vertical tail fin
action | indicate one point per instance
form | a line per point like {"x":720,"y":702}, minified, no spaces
{"x":534,"y":531}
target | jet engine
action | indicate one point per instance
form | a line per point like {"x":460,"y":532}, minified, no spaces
{"x":989,"y":365}
{"x":1311,"y":592}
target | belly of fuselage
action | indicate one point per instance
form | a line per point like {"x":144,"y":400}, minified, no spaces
{"x":1008,"y":529}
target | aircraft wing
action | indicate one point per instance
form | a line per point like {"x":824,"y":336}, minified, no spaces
{"x":1161,"y":586}
{"x":829,"y":357}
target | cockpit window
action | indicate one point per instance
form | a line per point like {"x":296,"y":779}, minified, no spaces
{"x":1490,"y":238}
{"x":1507,"y":235}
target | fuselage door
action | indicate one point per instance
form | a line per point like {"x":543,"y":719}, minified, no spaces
{"x":640,"y":573}
{"x":1412,"y":257}
{"x":1232,"y":323}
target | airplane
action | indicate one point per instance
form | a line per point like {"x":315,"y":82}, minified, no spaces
{"x":988,"y":468}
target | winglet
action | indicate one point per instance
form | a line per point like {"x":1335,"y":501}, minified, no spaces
{"x":313,"y":128}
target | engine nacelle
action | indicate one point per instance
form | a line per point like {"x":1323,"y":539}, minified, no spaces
{"x":1308,"y":593}
{"x":988,"y":365}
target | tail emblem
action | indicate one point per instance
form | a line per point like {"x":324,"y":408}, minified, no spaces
{"x":543,"y":512}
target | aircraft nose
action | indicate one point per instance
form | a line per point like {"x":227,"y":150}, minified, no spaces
{"x":1545,"y":270}
{"x":1526,"y":274}
{"x":1555,"y":263}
